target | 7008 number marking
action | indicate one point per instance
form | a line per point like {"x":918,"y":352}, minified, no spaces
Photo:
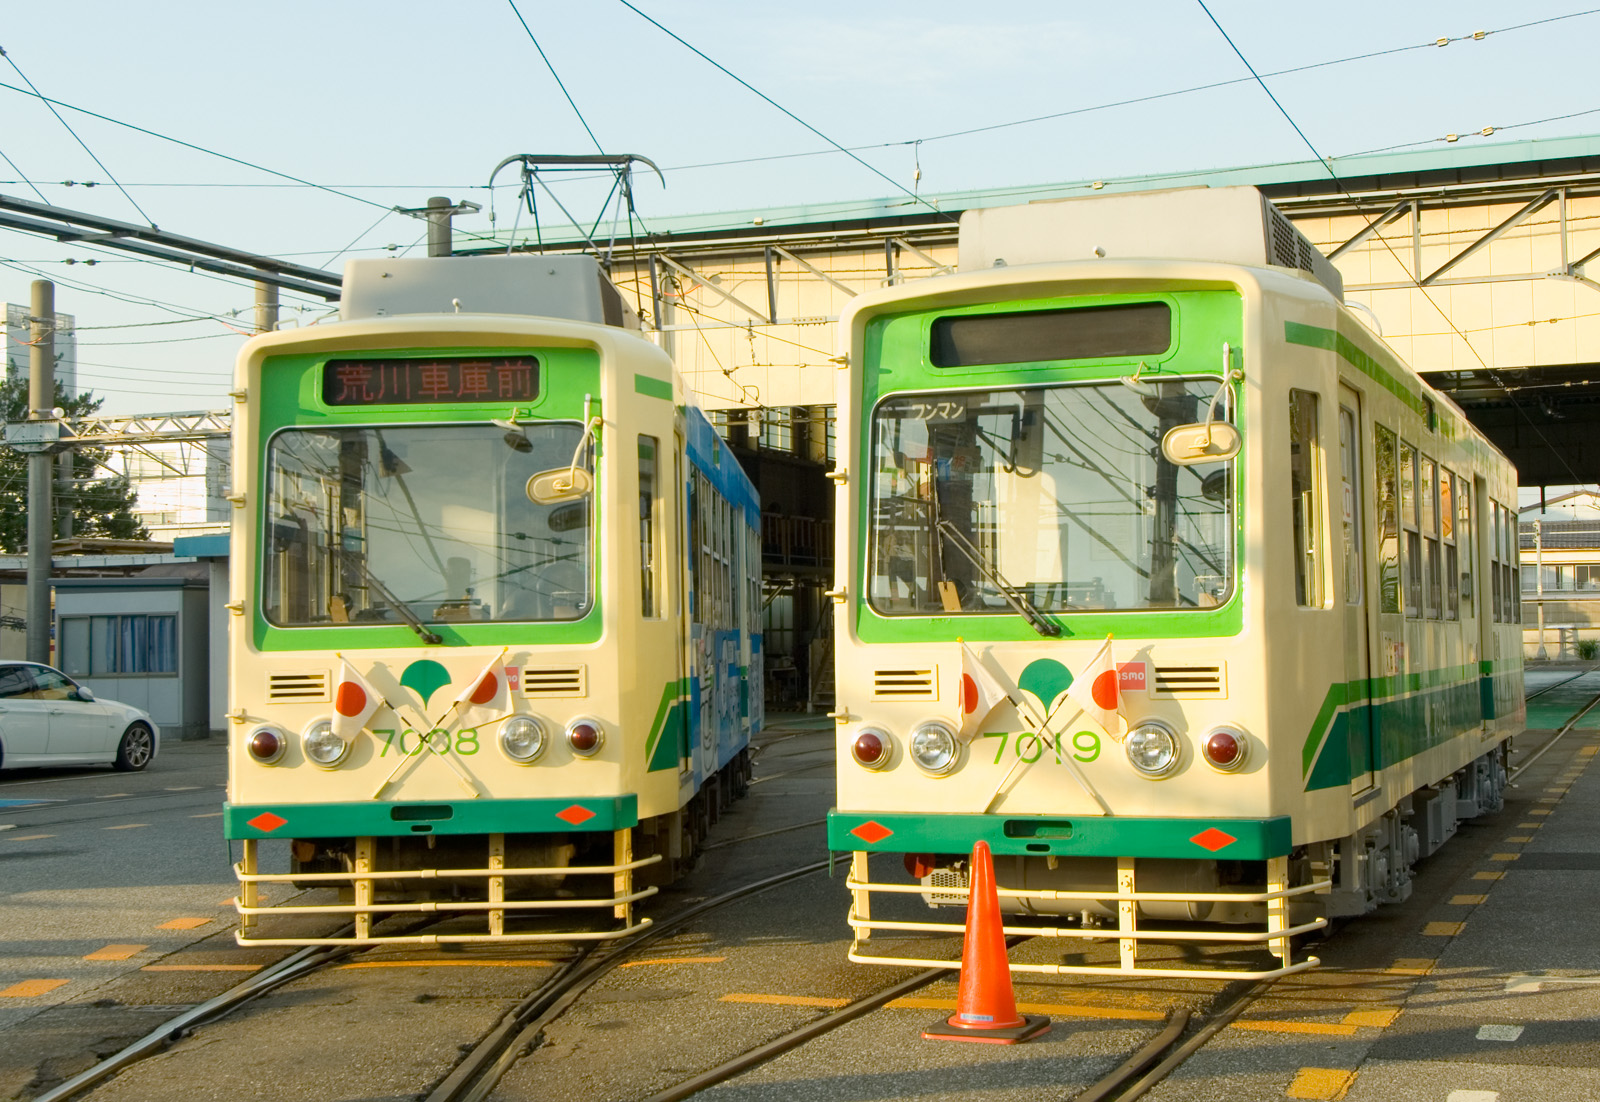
{"x":437,"y":740}
{"x":1030,"y":746}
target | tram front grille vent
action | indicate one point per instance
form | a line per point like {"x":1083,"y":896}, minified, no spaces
{"x":555,"y":681}
{"x":299,"y":687}
{"x":1190,"y":681}
{"x":905,"y":684}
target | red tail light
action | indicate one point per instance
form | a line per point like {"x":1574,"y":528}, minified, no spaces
{"x":1224,"y":749}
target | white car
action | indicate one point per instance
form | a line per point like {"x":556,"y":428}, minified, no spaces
{"x":46,"y":718}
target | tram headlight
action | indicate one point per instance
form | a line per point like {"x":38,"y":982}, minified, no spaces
{"x":872,"y":748}
{"x":1226,"y":749}
{"x":322,"y":744}
{"x":267,"y":744}
{"x":585,"y":736}
{"x":522,"y":739}
{"x":1152,"y":748}
{"x":934,"y":748}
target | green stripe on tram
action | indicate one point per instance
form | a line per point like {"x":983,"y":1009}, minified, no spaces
{"x":652,"y":387}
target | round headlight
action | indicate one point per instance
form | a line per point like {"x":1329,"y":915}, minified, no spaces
{"x":1152,"y":749}
{"x":267,"y":744}
{"x":1226,"y":749}
{"x":522,"y":738}
{"x":585,"y":737}
{"x":322,"y":745}
{"x":934,"y":748}
{"x":872,"y":749}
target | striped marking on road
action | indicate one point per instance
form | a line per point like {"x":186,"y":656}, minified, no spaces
{"x":114,"y":796}
{"x":1327,"y":1084}
{"x":1504,"y":856}
{"x":1381,"y":1018}
{"x":1529,"y":826}
{"x":1267,"y":1025}
{"x":202,"y":968}
{"x":1412,"y":966}
{"x":184,"y":924}
{"x":117,"y":952}
{"x":1442,"y":929}
{"x":30,"y":837}
{"x":30,"y":989}
{"x":1467,"y":900}
{"x":1059,"y":1010}
{"x":1516,"y":838}
{"x":128,"y":826}
{"x":674,"y":960}
{"x":1487,"y":875}
{"x":208,"y":815}
{"x":183,"y":788}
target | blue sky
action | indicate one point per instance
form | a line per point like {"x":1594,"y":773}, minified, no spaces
{"x":389,"y":103}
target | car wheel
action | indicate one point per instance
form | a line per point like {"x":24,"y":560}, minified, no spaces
{"x":136,"y":749}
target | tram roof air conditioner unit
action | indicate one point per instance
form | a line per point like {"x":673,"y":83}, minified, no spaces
{"x":1235,"y":225}
{"x":570,"y":287}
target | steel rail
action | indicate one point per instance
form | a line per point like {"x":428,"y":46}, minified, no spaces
{"x":520,"y":1031}
{"x":1565,"y":727}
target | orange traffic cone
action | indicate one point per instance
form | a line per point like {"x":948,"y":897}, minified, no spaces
{"x":986,"y":1008}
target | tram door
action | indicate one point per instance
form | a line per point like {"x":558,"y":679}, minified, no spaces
{"x":1357,"y":659}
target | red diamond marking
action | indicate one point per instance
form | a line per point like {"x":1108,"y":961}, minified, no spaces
{"x":577,"y":815}
{"x":1213,"y":839}
{"x":870,"y":832}
{"x":267,"y":821}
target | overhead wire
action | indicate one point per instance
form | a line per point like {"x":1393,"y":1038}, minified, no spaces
{"x":559,"y":83}
{"x":1416,"y":276}
{"x":92,"y":156}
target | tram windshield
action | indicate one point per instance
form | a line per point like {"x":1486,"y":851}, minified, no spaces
{"x":415,"y":524}
{"x":1059,"y":494}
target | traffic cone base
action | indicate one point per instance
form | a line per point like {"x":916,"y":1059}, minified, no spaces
{"x":945,"y":1030}
{"x":986,"y":1008}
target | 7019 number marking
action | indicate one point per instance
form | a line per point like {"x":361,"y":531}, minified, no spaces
{"x":1030,"y":746}
{"x":437,"y":740}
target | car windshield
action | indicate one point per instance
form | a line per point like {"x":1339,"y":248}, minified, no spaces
{"x":1059,"y":494}
{"x":424,"y":524}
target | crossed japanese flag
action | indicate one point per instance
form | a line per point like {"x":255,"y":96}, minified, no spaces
{"x":1096,"y":691}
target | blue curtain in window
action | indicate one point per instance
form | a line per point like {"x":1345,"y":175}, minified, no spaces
{"x":163,"y":644}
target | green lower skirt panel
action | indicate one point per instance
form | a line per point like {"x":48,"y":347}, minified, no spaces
{"x":383,"y":818}
{"x":1090,"y":836}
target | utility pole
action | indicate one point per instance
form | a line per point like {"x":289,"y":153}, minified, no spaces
{"x":1538,"y":582}
{"x":438,"y":214}
{"x":41,"y":402}
{"x":266,"y":307}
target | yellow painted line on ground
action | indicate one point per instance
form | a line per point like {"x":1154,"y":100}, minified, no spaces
{"x":1412,"y":966}
{"x":184,"y":924}
{"x":449,"y":964}
{"x":1442,"y":929}
{"x":1516,"y":838}
{"x":1055,"y":1009}
{"x":1504,"y":856}
{"x":1487,"y":875}
{"x":128,"y":826}
{"x":1529,"y":826}
{"x":1327,"y":1084}
{"x":1381,"y":1018}
{"x":1324,"y":1029}
{"x":29,"y":989}
{"x":1539,"y":810}
{"x":208,"y":815}
{"x":1467,"y":900}
{"x":202,"y":968}
{"x":675,"y":960}
{"x":117,"y":952}
{"x":28,"y":837}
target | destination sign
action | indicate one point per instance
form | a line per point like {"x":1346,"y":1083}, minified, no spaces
{"x":430,"y":381}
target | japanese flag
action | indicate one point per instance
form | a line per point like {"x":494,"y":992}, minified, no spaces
{"x":1095,"y":690}
{"x":980,"y":694}
{"x":487,"y":696}
{"x":354,"y":701}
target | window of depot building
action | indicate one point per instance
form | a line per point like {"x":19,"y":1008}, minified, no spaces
{"x":1076,"y":333}
{"x":100,"y":646}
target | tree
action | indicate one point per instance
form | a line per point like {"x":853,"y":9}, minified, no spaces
{"x":101,"y":503}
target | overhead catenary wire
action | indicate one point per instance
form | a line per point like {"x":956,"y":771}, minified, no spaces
{"x":1560,"y":457}
{"x":559,"y":82}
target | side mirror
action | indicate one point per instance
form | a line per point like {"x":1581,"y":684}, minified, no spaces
{"x":1204,"y":442}
{"x":85,"y":693}
{"x":560,"y":484}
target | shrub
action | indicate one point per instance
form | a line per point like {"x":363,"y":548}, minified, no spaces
{"x":1589,"y":649}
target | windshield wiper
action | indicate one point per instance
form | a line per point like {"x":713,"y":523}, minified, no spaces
{"x":1014,"y":596}
{"x":403,"y":610}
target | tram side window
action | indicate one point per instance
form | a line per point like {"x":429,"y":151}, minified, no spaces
{"x":1496,"y":542}
{"x":649,"y":564}
{"x":1447,"y":535}
{"x":1510,"y":587}
{"x":1463,"y":500}
{"x":1303,"y":483}
{"x":1388,"y":522}
{"x":1408,"y":523}
{"x":1428,"y":501}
